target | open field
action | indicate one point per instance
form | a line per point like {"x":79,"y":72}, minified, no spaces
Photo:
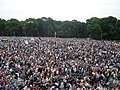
{"x":55,"y":63}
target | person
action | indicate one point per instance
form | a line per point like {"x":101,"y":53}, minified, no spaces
{"x":56,"y":63}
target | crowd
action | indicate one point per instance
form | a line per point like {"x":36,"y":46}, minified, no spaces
{"x":28,"y":63}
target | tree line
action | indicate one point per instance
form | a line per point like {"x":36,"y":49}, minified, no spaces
{"x":107,"y":28}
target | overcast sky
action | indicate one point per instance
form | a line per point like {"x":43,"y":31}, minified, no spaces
{"x":59,"y":9}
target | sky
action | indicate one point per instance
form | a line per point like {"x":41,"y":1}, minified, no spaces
{"x":62,"y":10}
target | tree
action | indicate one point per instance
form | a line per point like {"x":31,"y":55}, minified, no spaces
{"x":51,"y":27}
{"x":81,"y":30}
{"x":109,"y":28}
{"x":65,"y":30}
{"x":58,"y":28}
{"x":30,"y":27}
{"x":117,"y":34}
{"x":2,"y":27}
{"x":13,"y":27}
{"x":94,"y":28}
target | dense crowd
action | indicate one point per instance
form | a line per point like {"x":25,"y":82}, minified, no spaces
{"x":28,"y":63}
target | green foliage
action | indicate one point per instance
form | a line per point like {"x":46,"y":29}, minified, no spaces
{"x":30,"y":27}
{"x":94,"y":28}
{"x":107,"y":28}
{"x":2,"y":27}
{"x":12,"y":27}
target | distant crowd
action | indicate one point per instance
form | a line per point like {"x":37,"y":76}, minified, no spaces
{"x":40,"y":63}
